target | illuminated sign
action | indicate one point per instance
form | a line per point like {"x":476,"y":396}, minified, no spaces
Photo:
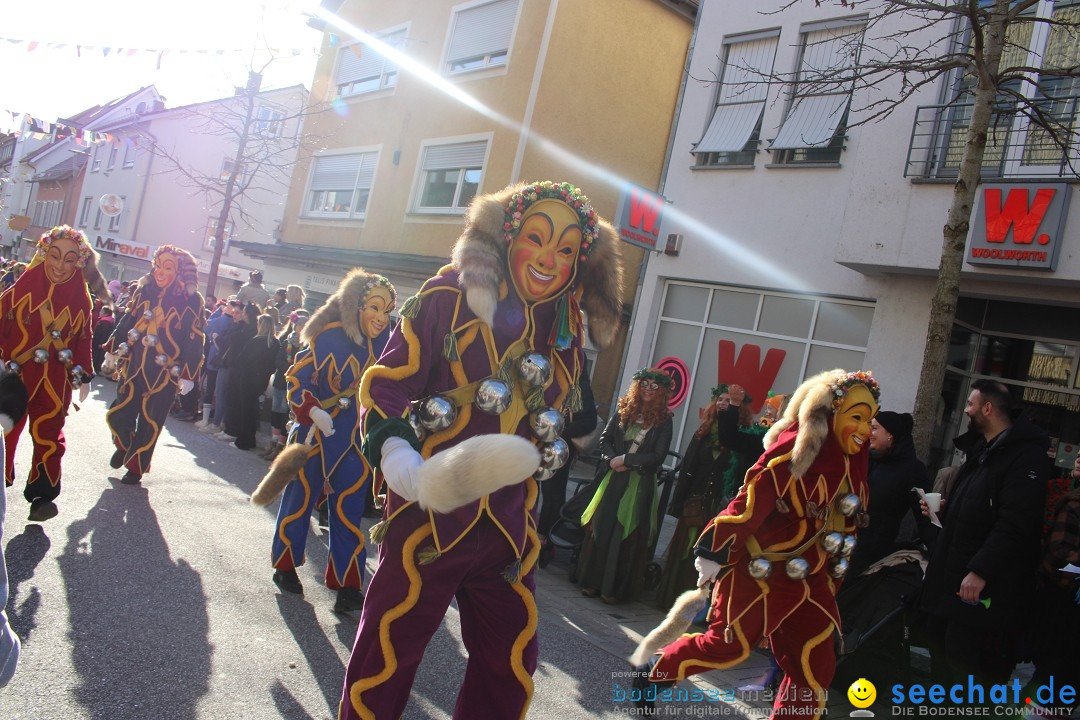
{"x":1019,"y":225}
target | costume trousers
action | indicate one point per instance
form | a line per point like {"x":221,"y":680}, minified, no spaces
{"x":405,"y":604}
{"x":802,"y":645}
{"x":136,"y":418}
{"x":45,"y":414}
{"x":351,"y":485}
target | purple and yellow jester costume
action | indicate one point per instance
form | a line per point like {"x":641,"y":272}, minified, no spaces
{"x":159,"y":343}
{"x":344,"y":338}
{"x":491,"y":347}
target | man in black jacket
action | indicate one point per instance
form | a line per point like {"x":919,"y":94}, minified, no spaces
{"x":984,"y":561}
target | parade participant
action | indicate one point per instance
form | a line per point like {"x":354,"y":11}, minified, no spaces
{"x":13,"y":399}
{"x":344,"y":338}
{"x":158,"y":342}
{"x":46,"y":335}
{"x":777,"y":551}
{"x":491,"y":348}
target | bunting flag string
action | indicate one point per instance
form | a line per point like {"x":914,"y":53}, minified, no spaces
{"x":17,"y":124}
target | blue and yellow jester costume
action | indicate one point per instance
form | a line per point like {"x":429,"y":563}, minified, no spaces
{"x":326,"y":375}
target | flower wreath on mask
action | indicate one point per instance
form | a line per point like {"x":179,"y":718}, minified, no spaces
{"x":65,"y":232}
{"x":547,"y":190}
{"x":840,"y":386}
{"x":378,"y":281}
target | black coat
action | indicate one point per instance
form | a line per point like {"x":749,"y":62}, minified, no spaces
{"x":703,"y":475}
{"x":650,"y":453}
{"x":991,"y":525}
{"x":891,"y":477}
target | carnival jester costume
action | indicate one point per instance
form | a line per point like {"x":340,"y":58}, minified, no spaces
{"x":778,"y":551}
{"x":159,"y":345}
{"x":46,"y":336}
{"x":490,"y":350}
{"x":344,"y":337}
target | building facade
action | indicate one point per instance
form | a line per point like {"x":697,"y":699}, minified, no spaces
{"x":484,"y":93}
{"x":803,"y":240}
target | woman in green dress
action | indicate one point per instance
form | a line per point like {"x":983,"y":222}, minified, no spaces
{"x":620,"y":520}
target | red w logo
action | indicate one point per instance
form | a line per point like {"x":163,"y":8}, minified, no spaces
{"x":1016,"y":213}
{"x":757,"y":378}
{"x":645,"y":211}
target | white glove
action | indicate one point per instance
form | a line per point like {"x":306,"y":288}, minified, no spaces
{"x":186,"y":385}
{"x":707,"y":570}
{"x":84,"y":391}
{"x":110,"y":359}
{"x":322,"y":420}
{"x":401,"y":467}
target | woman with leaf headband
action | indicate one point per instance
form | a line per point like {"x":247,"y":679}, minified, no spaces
{"x":46,"y":336}
{"x":770,"y":564}
{"x":158,"y":344}
{"x":490,"y":352}
{"x":723,"y":448}
{"x":620,"y":520}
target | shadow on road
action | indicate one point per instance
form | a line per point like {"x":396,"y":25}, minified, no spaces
{"x":23,"y":554}
{"x":139,"y":624}
{"x":317,"y":649}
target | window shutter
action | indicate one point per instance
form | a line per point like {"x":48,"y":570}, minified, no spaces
{"x":357,"y":62}
{"x":744,"y":88}
{"x":336,"y":172}
{"x":482,"y":30}
{"x":451,"y":157}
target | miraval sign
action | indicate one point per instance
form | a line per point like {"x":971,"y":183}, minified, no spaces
{"x":130,"y":248}
{"x":1019,"y":225}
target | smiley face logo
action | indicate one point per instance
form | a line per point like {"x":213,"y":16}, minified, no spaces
{"x":862,"y":693}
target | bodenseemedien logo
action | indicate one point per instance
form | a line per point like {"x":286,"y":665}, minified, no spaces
{"x":862,"y":695}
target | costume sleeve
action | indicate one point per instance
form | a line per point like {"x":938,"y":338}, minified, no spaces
{"x":607,"y":446}
{"x":123,"y":323}
{"x":1020,"y":505}
{"x":726,"y":534}
{"x":685,"y":481}
{"x":650,"y":461}
{"x":82,"y":348}
{"x":302,"y":389}
{"x":7,"y":324}
{"x":191,"y":338}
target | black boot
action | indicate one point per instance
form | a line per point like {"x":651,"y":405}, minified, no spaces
{"x":131,"y":478}
{"x":646,"y":689}
{"x":117,"y":460}
{"x":288,"y":581}
{"x":348,"y":600}
{"x":42,"y":510}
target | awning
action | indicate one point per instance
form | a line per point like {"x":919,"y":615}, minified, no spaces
{"x":731,"y":127}
{"x":811,"y":122}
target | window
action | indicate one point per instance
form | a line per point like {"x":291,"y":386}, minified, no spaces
{"x":481,"y":36}
{"x":96,"y":164}
{"x":227,"y":167}
{"x":113,"y":151}
{"x":450,"y":175}
{"x":813,"y":130}
{"x":84,"y":216}
{"x":129,"y":153}
{"x":114,"y":221}
{"x":211,"y":235}
{"x":734,"y":131}
{"x":340,"y":185}
{"x":268,"y":122}
{"x":97,"y":219}
{"x":362,"y":69}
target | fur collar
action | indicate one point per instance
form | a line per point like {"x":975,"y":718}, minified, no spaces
{"x":811,"y":407}
{"x":479,"y":256}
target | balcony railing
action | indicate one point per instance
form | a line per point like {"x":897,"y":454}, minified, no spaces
{"x":1014,"y":148}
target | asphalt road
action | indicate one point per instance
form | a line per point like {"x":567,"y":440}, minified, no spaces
{"x":155,"y":602}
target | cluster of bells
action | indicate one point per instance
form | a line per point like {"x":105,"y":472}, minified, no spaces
{"x":149,"y":341}
{"x":494,"y":396}
{"x":41,"y":356}
{"x":837,"y":545}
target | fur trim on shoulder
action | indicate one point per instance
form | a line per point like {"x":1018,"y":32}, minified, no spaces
{"x":811,"y":406}
{"x":479,"y":256}
{"x":342,"y":306}
{"x":95,"y":281}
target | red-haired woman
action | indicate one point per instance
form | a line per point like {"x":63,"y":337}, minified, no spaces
{"x":620,"y":521}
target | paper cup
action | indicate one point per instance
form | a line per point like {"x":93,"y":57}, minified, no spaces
{"x":933,"y":501}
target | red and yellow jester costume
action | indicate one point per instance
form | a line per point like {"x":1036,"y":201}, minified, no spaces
{"x":782,"y":545}
{"x":45,"y":334}
{"x":159,"y":341}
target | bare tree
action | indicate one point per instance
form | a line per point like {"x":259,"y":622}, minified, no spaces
{"x":981,"y":49}
{"x":268,"y":138}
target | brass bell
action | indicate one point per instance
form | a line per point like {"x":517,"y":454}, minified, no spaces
{"x":838,"y":567}
{"x":122,"y":349}
{"x":548,"y":424}
{"x":760,"y":568}
{"x":64,"y":356}
{"x":555,"y":454}
{"x":414,"y":421}
{"x":848,"y":504}
{"x":41,"y":356}
{"x":175,"y":371}
{"x":133,"y":336}
{"x":436,"y":413}
{"x":13,"y":366}
{"x":493,"y":396}
{"x":534,"y":370}
{"x":848,"y":546}
{"x":148,"y":315}
{"x":76,"y":376}
{"x":832,"y":542}
{"x":160,"y":359}
{"x":344,"y":403}
{"x":797,"y":568}
{"x":149,"y":341}
{"x":55,"y":334}
{"x":543,"y":474}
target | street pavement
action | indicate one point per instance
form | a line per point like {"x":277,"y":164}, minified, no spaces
{"x":155,"y":602}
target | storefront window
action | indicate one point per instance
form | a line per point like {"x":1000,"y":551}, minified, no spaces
{"x":962,"y":346}
{"x":843,"y":324}
{"x":1024,"y":359}
{"x":731,"y":308}
{"x":686,"y":302}
{"x":786,"y":316}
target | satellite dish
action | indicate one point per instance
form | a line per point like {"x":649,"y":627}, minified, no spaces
{"x":111,"y":204}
